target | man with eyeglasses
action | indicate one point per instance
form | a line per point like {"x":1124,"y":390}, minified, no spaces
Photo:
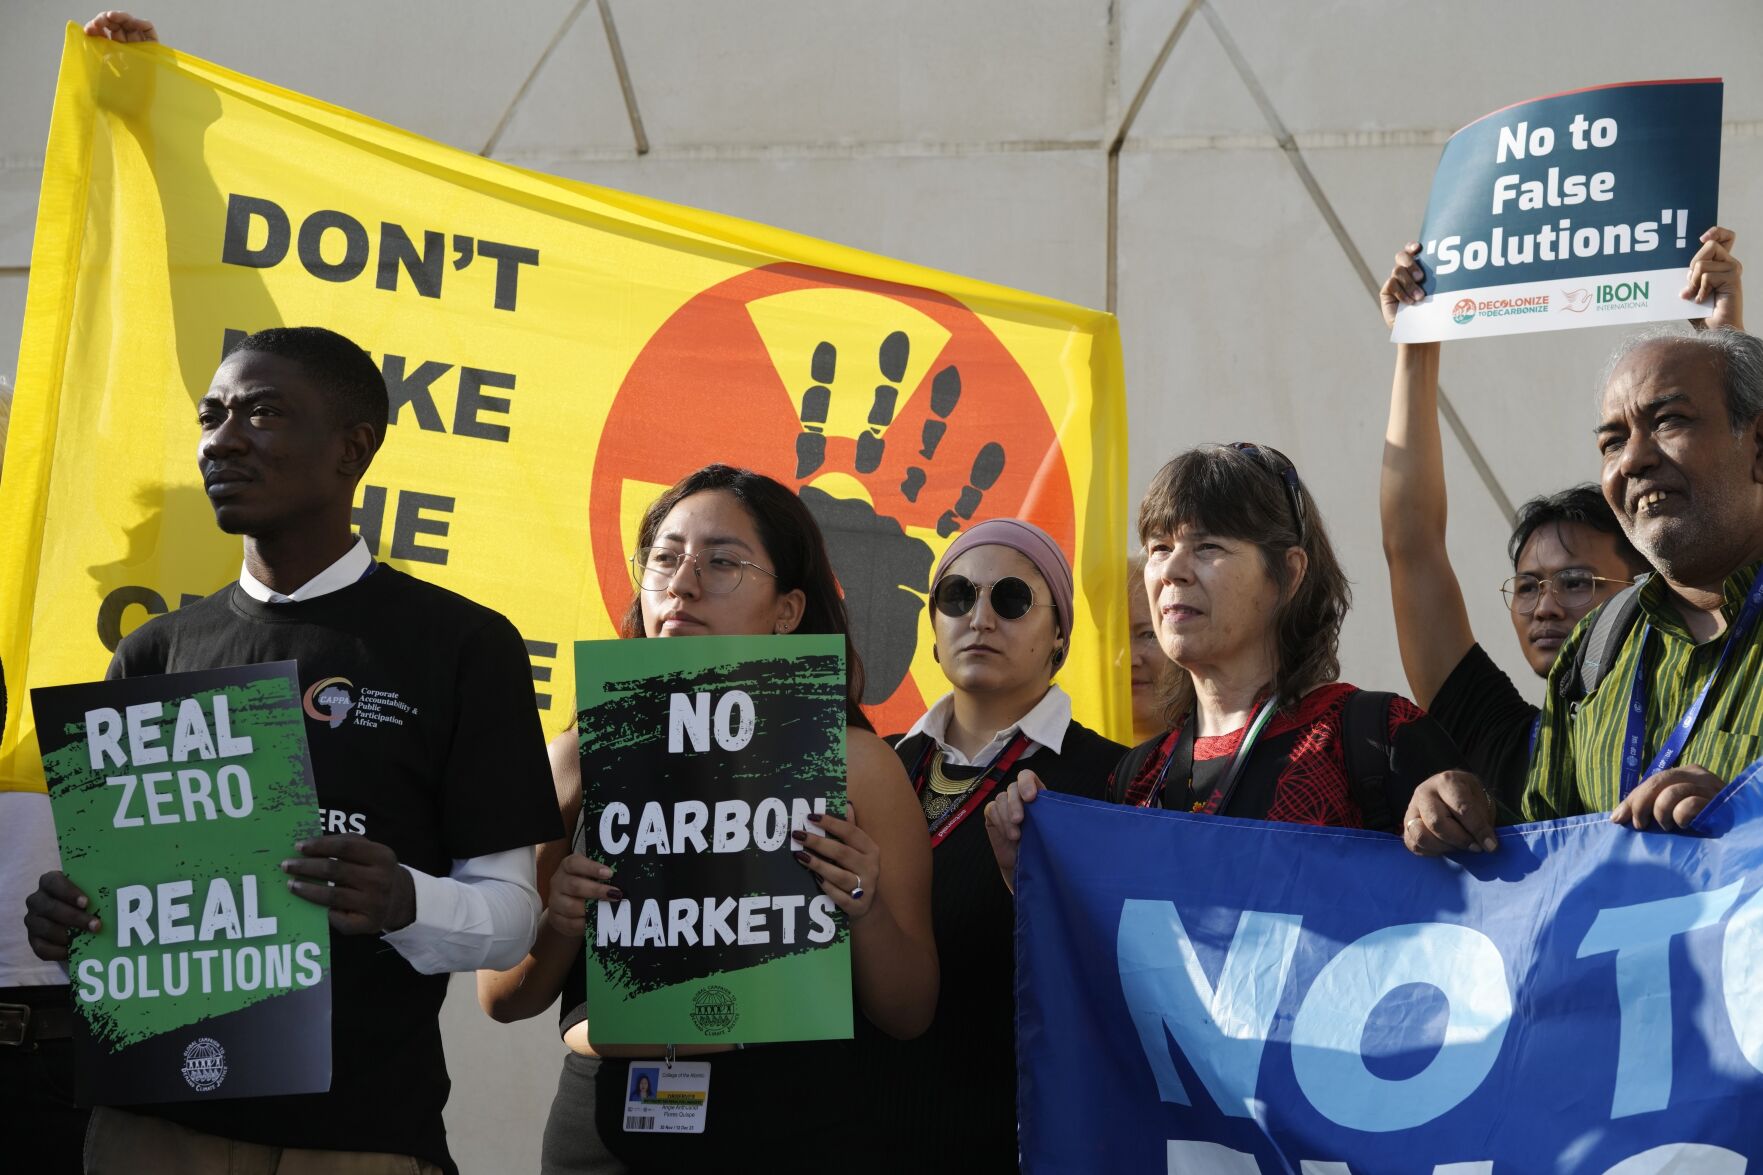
{"x":1569,"y":554}
{"x":1680,"y":711}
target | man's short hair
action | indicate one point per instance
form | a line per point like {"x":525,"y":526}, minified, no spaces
{"x":337,"y":364}
{"x":1736,"y":355}
{"x":1583,"y":504}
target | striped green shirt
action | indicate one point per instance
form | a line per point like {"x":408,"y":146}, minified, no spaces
{"x":1577,"y":767}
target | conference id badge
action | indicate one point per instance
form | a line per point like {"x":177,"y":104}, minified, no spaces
{"x":667,"y":1099}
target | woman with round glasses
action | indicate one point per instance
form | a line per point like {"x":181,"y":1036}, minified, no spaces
{"x":1001,"y":619}
{"x":729,"y":552}
{"x":1248,"y":599}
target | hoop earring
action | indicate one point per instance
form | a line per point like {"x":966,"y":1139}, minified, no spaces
{"x":936,"y":654}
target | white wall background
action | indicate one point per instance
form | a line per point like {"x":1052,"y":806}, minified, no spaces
{"x":1271,"y":155}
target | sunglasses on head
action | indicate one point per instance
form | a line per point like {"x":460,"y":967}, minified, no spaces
{"x":1287,"y":473}
{"x":1011,"y":598}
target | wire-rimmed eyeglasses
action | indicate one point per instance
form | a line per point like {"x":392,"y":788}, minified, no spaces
{"x":719,"y":569}
{"x":1573,"y":588}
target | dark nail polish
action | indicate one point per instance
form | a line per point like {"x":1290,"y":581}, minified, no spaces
{"x":616,"y":895}
{"x":814,"y":816}
{"x":798,"y":835}
{"x":802,"y":857}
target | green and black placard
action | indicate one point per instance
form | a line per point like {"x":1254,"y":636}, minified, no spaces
{"x":176,"y":797}
{"x":700,"y":755}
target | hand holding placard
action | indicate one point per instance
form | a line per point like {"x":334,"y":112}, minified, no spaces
{"x":358,"y":880}
{"x":55,"y":913}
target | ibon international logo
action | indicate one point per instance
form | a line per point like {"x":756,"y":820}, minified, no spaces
{"x":1628,"y":295}
{"x":1463,"y":311}
{"x":329,"y":700}
{"x":204,"y":1064}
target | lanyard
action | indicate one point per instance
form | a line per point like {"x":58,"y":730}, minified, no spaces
{"x":1183,"y":749}
{"x":1634,"y":743}
{"x":977,"y":791}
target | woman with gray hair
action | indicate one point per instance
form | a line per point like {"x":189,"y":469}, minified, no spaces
{"x":1001,"y":615}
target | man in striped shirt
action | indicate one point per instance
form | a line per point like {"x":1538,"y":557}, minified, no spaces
{"x":1679,"y":713}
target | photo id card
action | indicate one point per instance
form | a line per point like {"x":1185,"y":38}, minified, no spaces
{"x":667,"y":1099}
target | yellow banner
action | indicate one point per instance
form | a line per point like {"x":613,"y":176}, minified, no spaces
{"x":556,"y":354}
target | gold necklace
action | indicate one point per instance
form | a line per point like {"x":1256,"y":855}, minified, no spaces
{"x":943,"y":792}
{"x":941,"y":783}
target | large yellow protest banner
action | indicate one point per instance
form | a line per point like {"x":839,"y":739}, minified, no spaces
{"x":556,"y":353}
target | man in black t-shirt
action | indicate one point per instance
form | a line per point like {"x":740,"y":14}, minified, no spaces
{"x":426,"y":751}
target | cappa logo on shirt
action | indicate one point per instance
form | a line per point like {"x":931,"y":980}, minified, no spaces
{"x":335,"y":700}
{"x":329,"y":700}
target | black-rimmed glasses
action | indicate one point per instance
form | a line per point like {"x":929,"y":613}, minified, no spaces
{"x":1572,"y":588}
{"x":719,"y":569}
{"x":1288,"y":476}
{"x":956,"y":595}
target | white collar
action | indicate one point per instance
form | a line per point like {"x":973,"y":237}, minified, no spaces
{"x":345,"y":571}
{"x":1045,"y":724}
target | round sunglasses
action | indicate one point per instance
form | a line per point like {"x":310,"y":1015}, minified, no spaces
{"x":1011,"y":598}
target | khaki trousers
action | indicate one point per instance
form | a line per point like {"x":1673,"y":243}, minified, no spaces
{"x":121,"y":1143}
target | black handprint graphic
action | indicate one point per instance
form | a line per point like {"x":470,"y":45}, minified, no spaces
{"x":904,"y":409}
{"x":883,"y":570}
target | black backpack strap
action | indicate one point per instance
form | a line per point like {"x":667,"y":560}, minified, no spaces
{"x":1597,"y":653}
{"x":1365,"y":731}
{"x":1128,"y":769}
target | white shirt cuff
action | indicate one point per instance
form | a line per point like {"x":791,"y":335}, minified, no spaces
{"x":483,"y":914}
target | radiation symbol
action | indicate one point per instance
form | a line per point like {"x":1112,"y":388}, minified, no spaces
{"x":893,"y":410}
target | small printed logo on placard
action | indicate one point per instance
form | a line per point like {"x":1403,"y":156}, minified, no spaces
{"x":1463,"y":311}
{"x":713,"y":1010}
{"x":204,"y":1064}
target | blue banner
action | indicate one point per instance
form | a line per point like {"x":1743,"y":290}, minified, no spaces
{"x":1207,"y":995}
{"x":1580,"y":209}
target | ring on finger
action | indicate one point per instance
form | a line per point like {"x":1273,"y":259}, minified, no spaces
{"x":857,"y":890}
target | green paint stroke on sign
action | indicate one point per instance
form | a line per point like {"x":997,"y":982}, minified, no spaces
{"x":699,"y":757}
{"x":199,"y":791}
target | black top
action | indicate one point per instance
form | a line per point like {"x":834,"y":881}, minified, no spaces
{"x":947,"y":1100}
{"x":1490,"y":722}
{"x":424,"y":736}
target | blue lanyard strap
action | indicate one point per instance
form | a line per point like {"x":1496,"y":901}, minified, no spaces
{"x":1634,"y":743}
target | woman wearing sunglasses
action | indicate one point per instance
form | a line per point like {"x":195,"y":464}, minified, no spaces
{"x":1247,"y":599}
{"x":729,"y":552}
{"x":1001,"y":619}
